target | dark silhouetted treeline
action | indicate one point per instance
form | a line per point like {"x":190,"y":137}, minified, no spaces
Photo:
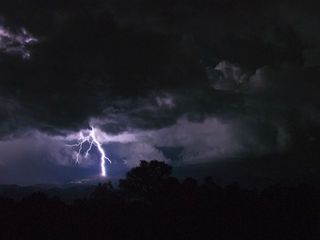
{"x":151,"y":204}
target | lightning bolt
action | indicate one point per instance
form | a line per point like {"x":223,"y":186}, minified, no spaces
{"x":92,"y":140}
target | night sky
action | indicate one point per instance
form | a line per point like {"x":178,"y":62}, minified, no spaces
{"x":214,"y":87}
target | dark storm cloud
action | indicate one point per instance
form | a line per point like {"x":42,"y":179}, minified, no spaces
{"x":169,"y":67}
{"x":84,"y":61}
{"x":251,"y":32}
{"x":92,"y":53}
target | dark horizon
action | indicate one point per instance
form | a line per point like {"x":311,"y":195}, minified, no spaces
{"x":152,"y":204}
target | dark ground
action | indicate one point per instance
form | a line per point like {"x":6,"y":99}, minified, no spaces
{"x":150,"y":204}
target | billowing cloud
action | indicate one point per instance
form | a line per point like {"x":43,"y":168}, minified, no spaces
{"x":156,"y":81}
{"x":16,"y":43}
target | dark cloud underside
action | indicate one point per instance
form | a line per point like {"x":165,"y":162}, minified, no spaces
{"x":236,"y":76}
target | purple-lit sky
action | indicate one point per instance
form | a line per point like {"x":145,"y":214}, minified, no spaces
{"x":188,"y":83}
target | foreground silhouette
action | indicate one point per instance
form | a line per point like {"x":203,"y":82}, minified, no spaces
{"x":151,"y":204}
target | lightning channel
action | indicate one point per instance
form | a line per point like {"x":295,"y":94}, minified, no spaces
{"x":92,"y":140}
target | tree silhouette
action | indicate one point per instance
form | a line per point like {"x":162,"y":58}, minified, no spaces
{"x":147,"y":179}
{"x":151,"y":204}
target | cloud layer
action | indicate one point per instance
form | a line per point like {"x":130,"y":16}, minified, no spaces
{"x":183,"y":82}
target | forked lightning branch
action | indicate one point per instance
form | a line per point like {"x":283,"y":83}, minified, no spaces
{"x":89,"y":137}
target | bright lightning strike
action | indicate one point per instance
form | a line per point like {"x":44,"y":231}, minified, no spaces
{"x":92,"y":140}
